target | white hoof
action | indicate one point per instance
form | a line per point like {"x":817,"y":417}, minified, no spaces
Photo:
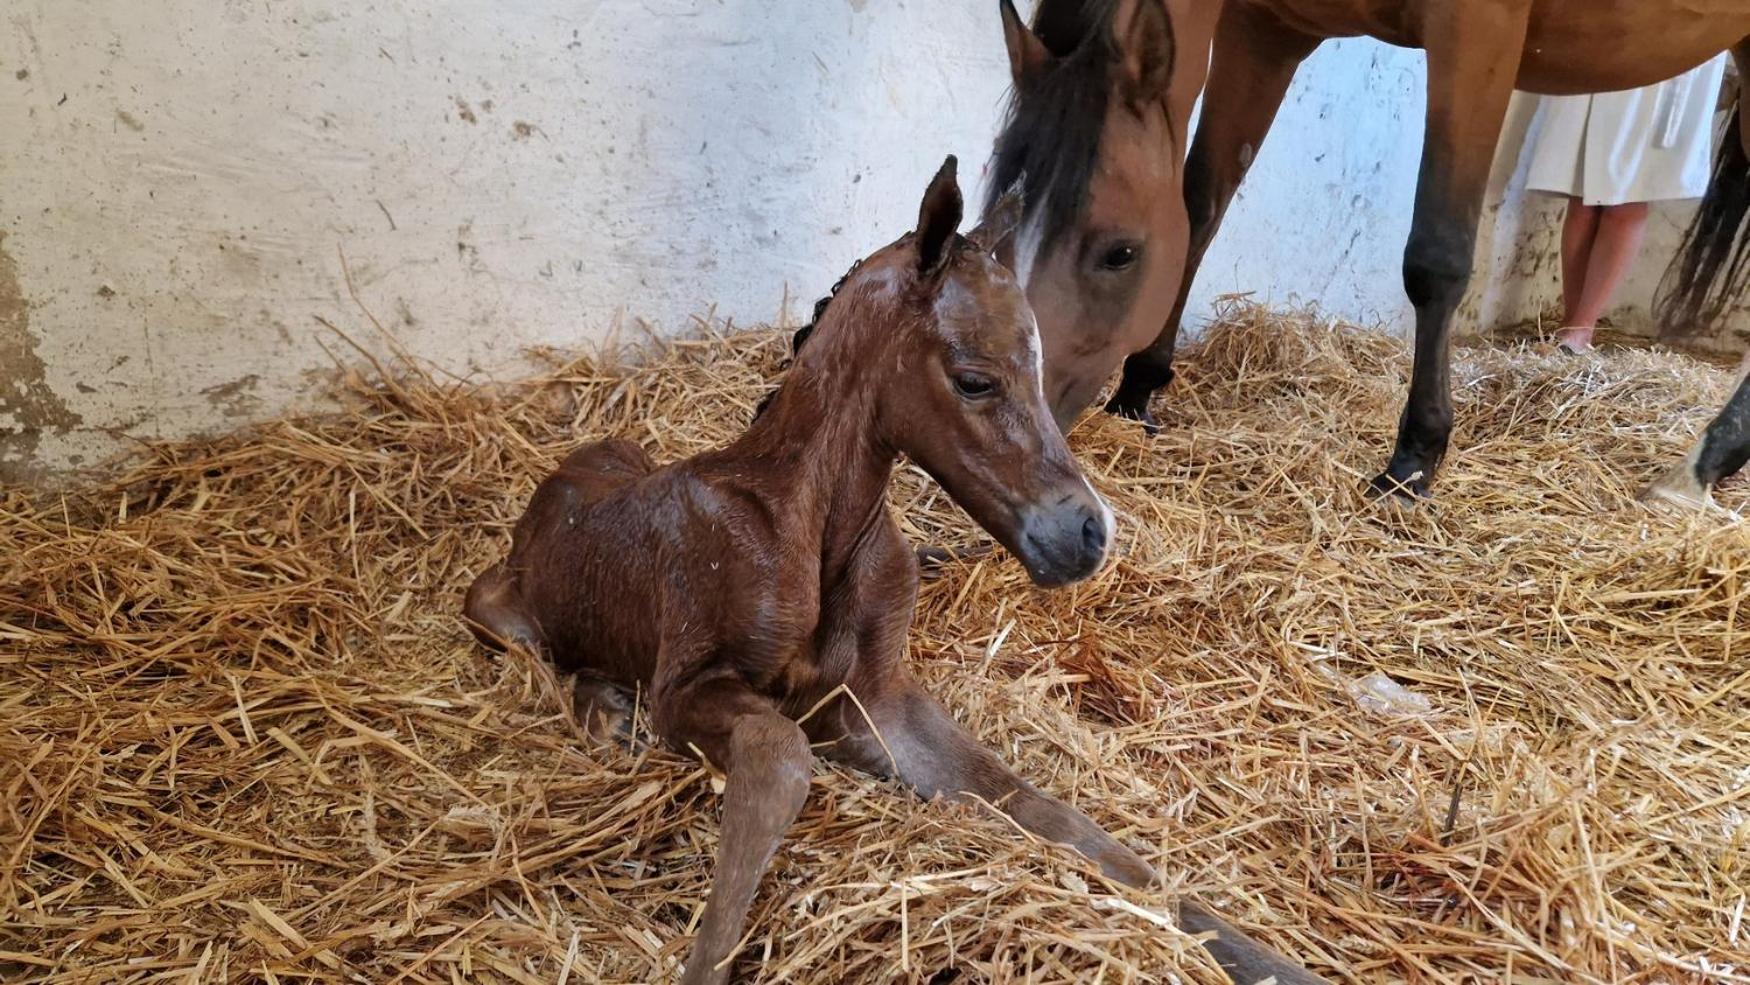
{"x":1677,"y":489}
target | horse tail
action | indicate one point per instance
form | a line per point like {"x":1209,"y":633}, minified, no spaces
{"x":1712,"y":268}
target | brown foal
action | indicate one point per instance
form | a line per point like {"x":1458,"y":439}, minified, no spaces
{"x":741,"y":588}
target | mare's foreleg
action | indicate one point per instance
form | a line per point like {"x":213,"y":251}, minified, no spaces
{"x":934,"y":755}
{"x":1474,"y":49}
{"x":1253,"y":62}
{"x":766,"y":759}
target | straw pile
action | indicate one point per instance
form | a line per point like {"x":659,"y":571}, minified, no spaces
{"x":243,"y":734}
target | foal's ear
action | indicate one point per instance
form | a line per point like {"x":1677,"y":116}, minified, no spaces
{"x":1027,"y":54}
{"x":938,"y":218}
{"x":999,"y":220}
{"x":1143,"y":30}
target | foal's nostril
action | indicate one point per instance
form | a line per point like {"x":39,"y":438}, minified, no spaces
{"x":1094,"y":534}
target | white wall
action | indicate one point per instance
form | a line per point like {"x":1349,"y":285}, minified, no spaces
{"x":1325,"y":210}
{"x":178,"y":178}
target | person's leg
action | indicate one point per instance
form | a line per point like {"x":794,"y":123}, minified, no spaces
{"x":1615,"y":246}
{"x":1578,"y":228}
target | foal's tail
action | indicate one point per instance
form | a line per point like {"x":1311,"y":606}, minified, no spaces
{"x":1712,"y":268}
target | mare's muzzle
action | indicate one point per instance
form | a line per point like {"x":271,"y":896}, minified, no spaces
{"x":1065,"y":540}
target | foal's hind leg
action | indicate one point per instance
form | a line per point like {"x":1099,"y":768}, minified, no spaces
{"x":495,"y":612}
{"x":1721,"y":450}
{"x":495,"y":608}
{"x":604,"y":710}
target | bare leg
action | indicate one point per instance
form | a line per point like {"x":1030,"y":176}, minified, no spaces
{"x":1253,"y":62}
{"x":1614,"y":247}
{"x":1721,"y":450}
{"x":935,"y":756}
{"x":766,"y":759}
{"x":1578,"y":227}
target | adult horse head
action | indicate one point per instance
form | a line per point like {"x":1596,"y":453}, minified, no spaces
{"x":1116,"y":226}
{"x":1095,"y":137}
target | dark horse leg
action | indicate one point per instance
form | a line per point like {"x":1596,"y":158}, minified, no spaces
{"x":1473,"y":57}
{"x":1721,"y":450}
{"x":494,"y":608}
{"x":1709,"y":273}
{"x":1254,"y":60}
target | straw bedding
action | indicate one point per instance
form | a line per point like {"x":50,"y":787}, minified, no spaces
{"x":243,"y":735}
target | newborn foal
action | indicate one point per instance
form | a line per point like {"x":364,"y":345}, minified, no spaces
{"x":742,"y":586}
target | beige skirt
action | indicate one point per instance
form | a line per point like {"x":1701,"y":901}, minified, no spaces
{"x":1640,"y":145}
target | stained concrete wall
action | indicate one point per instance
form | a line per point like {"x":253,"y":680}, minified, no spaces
{"x":1325,"y":209}
{"x":179,"y":180}
{"x":1518,"y":257}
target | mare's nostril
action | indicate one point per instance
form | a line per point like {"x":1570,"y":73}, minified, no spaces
{"x":1094,"y":534}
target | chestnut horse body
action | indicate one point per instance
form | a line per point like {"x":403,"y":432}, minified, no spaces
{"x":744,"y":588}
{"x":1120,"y":214}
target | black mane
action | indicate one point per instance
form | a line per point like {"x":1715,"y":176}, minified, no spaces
{"x":1051,"y":140}
{"x":802,"y":334}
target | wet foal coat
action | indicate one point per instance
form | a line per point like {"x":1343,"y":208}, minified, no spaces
{"x":740,"y":588}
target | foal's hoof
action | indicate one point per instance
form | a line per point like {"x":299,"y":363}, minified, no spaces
{"x":933,"y":559}
{"x":1132,"y":407}
{"x":1408,"y":491}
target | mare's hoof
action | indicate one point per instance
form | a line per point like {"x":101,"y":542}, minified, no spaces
{"x":1673,"y":493}
{"x":1407,"y":491}
{"x":1134,"y":408}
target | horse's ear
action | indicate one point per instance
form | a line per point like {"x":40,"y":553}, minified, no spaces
{"x":938,"y":218}
{"x":999,"y":220}
{"x":1143,"y":30}
{"x":1027,"y":54}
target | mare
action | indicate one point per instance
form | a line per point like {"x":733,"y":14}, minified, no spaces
{"x":1119,"y":214}
{"x":744,"y":591}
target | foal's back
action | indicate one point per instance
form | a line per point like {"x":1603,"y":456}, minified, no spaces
{"x":618,"y":566}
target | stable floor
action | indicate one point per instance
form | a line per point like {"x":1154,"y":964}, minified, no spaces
{"x":244,"y":735}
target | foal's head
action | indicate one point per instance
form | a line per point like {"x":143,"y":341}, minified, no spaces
{"x":1095,"y":134}
{"x":942,"y":339}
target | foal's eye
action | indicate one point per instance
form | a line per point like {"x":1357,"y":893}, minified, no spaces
{"x":972,"y":386}
{"x":1120,"y":257}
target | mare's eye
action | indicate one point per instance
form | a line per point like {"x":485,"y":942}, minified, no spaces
{"x":972,"y":386}
{"x":1120,"y":257}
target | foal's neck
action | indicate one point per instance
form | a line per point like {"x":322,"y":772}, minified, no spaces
{"x":821,"y":436}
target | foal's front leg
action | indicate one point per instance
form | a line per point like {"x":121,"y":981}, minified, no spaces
{"x":934,"y":755}
{"x":766,"y":759}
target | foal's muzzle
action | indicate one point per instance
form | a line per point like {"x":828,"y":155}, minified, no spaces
{"x":1065,"y":540}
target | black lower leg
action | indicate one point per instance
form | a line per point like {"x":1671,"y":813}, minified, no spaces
{"x":1437,"y":267}
{"x":1725,"y":445}
{"x":1144,"y":373}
